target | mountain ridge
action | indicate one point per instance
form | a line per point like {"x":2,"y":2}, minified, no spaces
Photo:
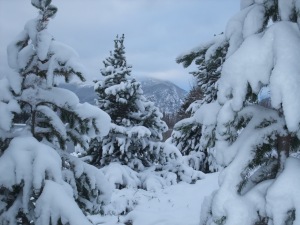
{"x":167,"y":96}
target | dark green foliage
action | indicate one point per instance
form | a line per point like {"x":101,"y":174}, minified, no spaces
{"x":52,"y":116}
{"x":195,"y":94}
{"x":136,"y":121}
{"x":209,"y":71}
{"x":189,"y":135}
{"x":291,"y":217}
{"x":41,"y":4}
{"x":262,"y":220}
{"x":34,"y":75}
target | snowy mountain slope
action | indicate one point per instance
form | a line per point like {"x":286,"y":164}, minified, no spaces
{"x":85,"y":92}
{"x":167,"y":96}
{"x":175,"y":205}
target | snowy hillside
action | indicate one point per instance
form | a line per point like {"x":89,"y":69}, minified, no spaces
{"x":167,"y":96}
{"x":174,"y":205}
{"x":85,"y":92}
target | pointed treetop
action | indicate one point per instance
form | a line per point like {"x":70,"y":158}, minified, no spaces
{"x":119,"y":42}
{"x":47,"y":10}
{"x":121,"y":39}
{"x":40,"y":4}
{"x":117,"y":57}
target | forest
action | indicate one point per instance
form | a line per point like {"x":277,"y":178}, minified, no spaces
{"x":232,"y":158}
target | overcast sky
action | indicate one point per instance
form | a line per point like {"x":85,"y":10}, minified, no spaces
{"x":156,"y":31}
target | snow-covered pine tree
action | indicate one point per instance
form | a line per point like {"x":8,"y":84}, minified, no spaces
{"x":209,"y":59}
{"x":40,"y":183}
{"x":137,"y":124}
{"x":194,"y":136}
{"x":194,"y":94}
{"x":256,"y":141}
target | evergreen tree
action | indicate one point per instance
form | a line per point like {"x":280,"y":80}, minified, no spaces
{"x":193,"y":137}
{"x":170,"y":119}
{"x":40,"y":183}
{"x":256,"y":140}
{"x":137,"y":124}
{"x":195,"y":94}
{"x":209,"y":58}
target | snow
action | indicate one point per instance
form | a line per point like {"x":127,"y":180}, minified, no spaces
{"x":43,"y":44}
{"x":284,"y":194}
{"x":15,"y":81}
{"x":117,"y":175}
{"x":28,"y":161}
{"x":195,"y":159}
{"x":98,"y":117}
{"x":61,"y":97}
{"x":226,"y":116}
{"x":269,"y":58}
{"x":245,"y":23}
{"x":92,"y":179}
{"x":285,"y":80}
{"x":54,"y":120}
{"x":38,"y":179}
{"x":153,"y":181}
{"x":262,"y":59}
{"x":138,"y":132}
{"x":234,"y":30}
{"x":207,"y":113}
{"x":8,"y":105}
{"x":13,"y":49}
{"x":218,"y":41}
{"x":172,"y":205}
{"x":286,"y":8}
{"x":31,"y":28}
{"x":67,"y":189}
{"x":211,"y":47}
{"x":62,"y":52}
{"x":25,"y":56}
{"x":62,"y":55}
{"x":50,"y":207}
{"x":6,"y":112}
{"x":254,"y":21}
{"x":246,"y":3}
{"x":125,"y":136}
{"x":113,"y":90}
{"x":255,"y":66}
{"x":241,"y":209}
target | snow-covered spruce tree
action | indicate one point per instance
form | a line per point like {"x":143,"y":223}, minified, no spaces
{"x":194,"y":136}
{"x":137,"y":126}
{"x":40,"y":183}
{"x":256,"y":141}
{"x":194,"y":94}
{"x":209,"y":59}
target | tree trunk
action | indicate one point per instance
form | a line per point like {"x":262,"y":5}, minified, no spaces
{"x":283,"y":149}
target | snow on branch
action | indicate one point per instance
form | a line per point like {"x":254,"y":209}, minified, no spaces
{"x":56,"y":204}
{"x":8,"y":106}
{"x":266,"y":59}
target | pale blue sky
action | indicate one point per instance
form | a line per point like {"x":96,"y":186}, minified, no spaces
{"x":156,"y":31}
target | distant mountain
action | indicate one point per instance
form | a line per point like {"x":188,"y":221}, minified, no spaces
{"x":166,"y":96}
{"x":85,"y":92}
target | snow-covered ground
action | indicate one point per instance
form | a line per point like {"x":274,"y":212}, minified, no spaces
{"x":174,"y":205}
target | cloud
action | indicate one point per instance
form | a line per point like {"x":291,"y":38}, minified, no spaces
{"x":156,"y":31}
{"x":176,"y":76}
